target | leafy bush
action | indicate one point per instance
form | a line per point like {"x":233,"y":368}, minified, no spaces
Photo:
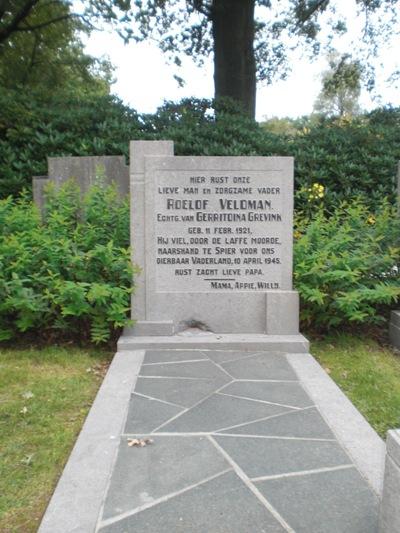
{"x":347,"y":265}
{"x":34,"y":127}
{"x":69,"y":273}
{"x":349,"y":157}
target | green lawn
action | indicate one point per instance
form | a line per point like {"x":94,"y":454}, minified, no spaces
{"x":368,"y":374}
{"x":45,"y":395}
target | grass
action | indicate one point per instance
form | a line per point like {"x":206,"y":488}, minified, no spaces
{"x":45,"y":395}
{"x":368,"y":374}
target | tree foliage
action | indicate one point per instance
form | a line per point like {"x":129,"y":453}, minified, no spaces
{"x":341,"y":87}
{"x":249,"y":39}
{"x":349,"y":157}
{"x":185,"y":27}
{"x":46,"y":53}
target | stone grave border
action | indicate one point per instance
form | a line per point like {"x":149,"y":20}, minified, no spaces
{"x":78,"y":497}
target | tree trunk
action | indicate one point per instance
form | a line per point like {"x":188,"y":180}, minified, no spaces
{"x":234,"y":62}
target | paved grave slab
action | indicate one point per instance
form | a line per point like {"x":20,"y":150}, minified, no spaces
{"x":229,"y":453}
{"x":231,"y":427}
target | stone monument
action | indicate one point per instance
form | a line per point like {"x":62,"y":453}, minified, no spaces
{"x":394,"y":324}
{"x":213,"y":237}
{"x":84,"y":170}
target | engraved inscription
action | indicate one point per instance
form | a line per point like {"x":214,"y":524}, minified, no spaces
{"x":219,"y":232}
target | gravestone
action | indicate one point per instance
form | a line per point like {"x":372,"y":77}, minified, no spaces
{"x":390,"y":508}
{"x":394,"y":324}
{"x":84,"y":170}
{"x":213,"y":237}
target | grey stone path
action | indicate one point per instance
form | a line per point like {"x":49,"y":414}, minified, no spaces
{"x":238,"y":447}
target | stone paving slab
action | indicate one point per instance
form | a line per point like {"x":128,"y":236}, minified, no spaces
{"x":181,"y":392}
{"x":221,"y":505}
{"x":145,"y":475}
{"x":239,"y":447}
{"x":303,"y":423}
{"x":290,"y":394}
{"x":324,"y":502}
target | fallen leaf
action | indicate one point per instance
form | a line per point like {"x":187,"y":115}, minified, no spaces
{"x":27,"y":460}
{"x":140,"y":442}
{"x":24,"y":410}
{"x":327,"y":370}
{"x":27,"y":395}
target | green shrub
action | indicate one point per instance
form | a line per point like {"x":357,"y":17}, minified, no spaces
{"x":346,"y":265}
{"x":349,"y":157}
{"x":69,"y":273}
{"x":33,"y":127}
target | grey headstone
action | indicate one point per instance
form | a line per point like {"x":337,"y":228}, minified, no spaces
{"x":394,"y":329}
{"x":213,"y":236}
{"x":390,"y":505}
{"x":84,"y":170}
{"x":38,"y":185}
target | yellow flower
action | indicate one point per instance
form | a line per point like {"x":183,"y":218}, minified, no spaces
{"x":371,"y":219}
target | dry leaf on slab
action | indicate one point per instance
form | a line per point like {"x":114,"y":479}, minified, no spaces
{"x":140,"y":442}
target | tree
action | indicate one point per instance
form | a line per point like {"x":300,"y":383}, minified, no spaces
{"x":27,"y":16}
{"x":341,"y":87}
{"x":249,"y":39}
{"x":45,"y":52}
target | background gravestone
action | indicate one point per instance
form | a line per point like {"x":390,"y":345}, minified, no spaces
{"x":213,"y":236}
{"x":394,"y":325}
{"x":83,"y":170}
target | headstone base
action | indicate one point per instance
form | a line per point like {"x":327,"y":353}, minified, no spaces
{"x":204,"y":340}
